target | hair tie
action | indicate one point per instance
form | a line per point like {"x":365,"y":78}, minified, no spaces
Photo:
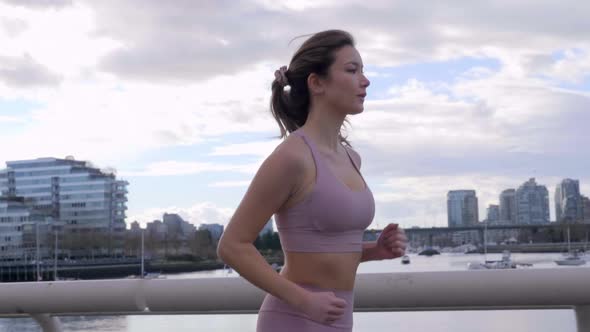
{"x":281,"y":76}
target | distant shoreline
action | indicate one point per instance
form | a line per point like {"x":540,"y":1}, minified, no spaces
{"x":110,"y":271}
{"x":532,"y":248}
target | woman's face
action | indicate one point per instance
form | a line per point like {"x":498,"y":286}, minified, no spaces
{"x":346,"y":85}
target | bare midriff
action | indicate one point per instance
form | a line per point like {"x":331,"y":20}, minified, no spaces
{"x":325,"y":270}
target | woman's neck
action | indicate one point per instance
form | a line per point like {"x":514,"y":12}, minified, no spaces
{"x":324,"y":128}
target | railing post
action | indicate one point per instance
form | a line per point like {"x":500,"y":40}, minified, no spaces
{"x":48,"y":323}
{"x":583,"y":317}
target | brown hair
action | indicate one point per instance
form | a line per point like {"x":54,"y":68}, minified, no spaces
{"x":290,"y":108}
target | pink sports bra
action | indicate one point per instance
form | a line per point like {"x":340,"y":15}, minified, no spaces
{"x":332,"y":218}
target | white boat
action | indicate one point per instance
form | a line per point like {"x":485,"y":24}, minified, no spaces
{"x":572,"y":257}
{"x":406,"y":259}
{"x":227,"y":270}
{"x":147,"y":275}
{"x":154,"y":275}
{"x":504,"y":263}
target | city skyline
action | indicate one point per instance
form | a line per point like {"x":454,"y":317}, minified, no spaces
{"x":528,"y":204}
{"x":455,"y":197}
{"x":180,"y":107}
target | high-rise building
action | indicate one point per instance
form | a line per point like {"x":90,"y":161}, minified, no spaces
{"x":135,"y":227}
{"x":214,"y":229}
{"x":176,"y":225}
{"x":462,"y":208}
{"x":156,"y":230}
{"x":19,"y":225}
{"x":532,"y":203}
{"x":493,"y":213}
{"x":13,"y":214}
{"x":173,"y":224}
{"x":568,"y":201}
{"x":586,"y":209}
{"x":508,"y":206}
{"x":172,"y":227}
{"x":74,"y":193}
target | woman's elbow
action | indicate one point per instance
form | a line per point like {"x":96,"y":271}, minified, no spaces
{"x":225,"y":247}
{"x":228,"y":247}
{"x":222,"y":248}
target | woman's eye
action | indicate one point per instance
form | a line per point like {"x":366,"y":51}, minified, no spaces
{"x":352,"y":71}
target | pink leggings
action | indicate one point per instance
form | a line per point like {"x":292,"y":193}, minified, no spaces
{"x":276,"y":315}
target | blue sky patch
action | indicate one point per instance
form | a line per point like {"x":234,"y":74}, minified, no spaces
{"x":583,"y":85}
{"x":17,"y":107}
{"x":201,"y":152}
{"x":428,"y":72}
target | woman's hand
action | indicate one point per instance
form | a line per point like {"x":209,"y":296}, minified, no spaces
{"x":391,"y":243}
{"x":323,"y":307}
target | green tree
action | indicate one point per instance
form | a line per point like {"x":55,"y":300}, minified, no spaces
{"x":258,"y":244}
{"x":132,"y":244}
{"x":267,"y":240}
{"x":276,"y":242}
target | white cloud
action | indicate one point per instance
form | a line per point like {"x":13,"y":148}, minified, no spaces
{"x":167,"y":168}
{"x":73,"y":46}
{"x":261,"y":149}
{"x":371,"y":74}
{"x":11,"y":119}
{"x":12,"y":26}
{"x":296,"y":5}
{"x":228,"y":184}
{"x":497,"y":122}
{"x":121,"y":83}
{"x":25,"y":72}
{"x":40,"y":4}
{"x":118,"y":121}
{"x":574,"y":67}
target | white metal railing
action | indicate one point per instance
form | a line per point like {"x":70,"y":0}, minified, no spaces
{"x":409,"y":291}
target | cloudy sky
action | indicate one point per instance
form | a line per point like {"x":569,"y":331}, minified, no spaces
{"x":174,"y":94}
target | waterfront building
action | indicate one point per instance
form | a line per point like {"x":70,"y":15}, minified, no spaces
{"x":214,"y":229}
{"x":586,"y":209}
{"x":74,"y":194}
{"x":176,"y":225}
{"x":508,"y":207}
{"x":532,"y":203}
{"x":465,"y":237}
{"x":493,"y":214}
{"x":156,"y":230}
{"x":19,"y":225}
{"x":462,"y":208}
{"x":135,"y":227}
{"x":13,"y":215}
{"x":568,"y":202}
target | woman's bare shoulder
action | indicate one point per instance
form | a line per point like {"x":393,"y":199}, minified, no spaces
{"x":293,"y":150}
{"x":354,"y":155}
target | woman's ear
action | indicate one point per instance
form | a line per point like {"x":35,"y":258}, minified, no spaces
{"x":315,"y":84}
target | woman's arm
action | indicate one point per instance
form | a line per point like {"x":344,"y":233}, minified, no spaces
{"x":369,"y":252}
{"x":392,"y":240}
{"x":391,"y":244}
{"x":274,"y":182}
